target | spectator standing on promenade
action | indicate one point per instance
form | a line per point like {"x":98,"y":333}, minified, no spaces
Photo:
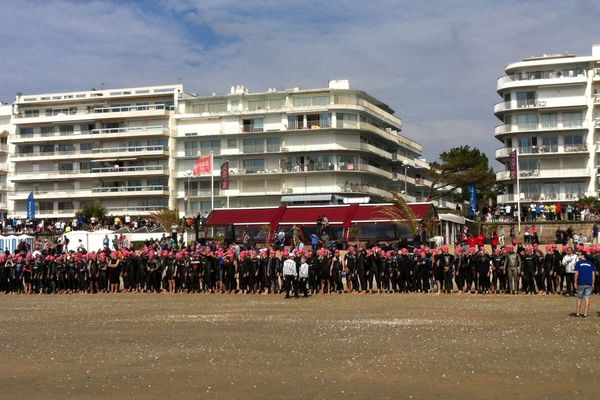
{"x":584,"y":282}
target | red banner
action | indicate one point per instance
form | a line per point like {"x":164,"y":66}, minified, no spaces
{"x":202,"y":166}
{"x":225,"y":176}
{"x":513,"y":165}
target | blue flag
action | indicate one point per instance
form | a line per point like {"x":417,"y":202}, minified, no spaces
{"x":473,"y":201}
{"x":30,"y":207}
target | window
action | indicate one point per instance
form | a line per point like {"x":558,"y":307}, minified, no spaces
{"x":575,"y":189}
{"x":572,"y":119}
{"x":318,"y":120}
{"x":66,"y":129}
{"x":27,"y":149}
{"x":232,"y":143}
{"x":549,"y":144}
{"x":86,"y":147}
{"x":295,"y":122}
{"x":65,"y":205}
{"x":527,"y":121}
{"x":46,"y":130}
{"x":529,"y":167}
{"x":47,"y":149}
{"x":574,"y":143}
{"x":252,"y":125}
{"x":346,"y":120}
{"x":254,"y":165}
{"x":525,"y":144}
{"x":32,"y":113}
{"x":26,"y":131}
{"x":159,"y":142}
{"x":201,"y":147}
{"x":65,"y":167}
{"x":254,"y":145}
{"x":311,"y":101}
{"x":525,"y":99}
{"x":273,"y":145}
{"x":266,"y":104}
{"x":347,"y":162}
{"x":530,"y":190}
{"x":211,"y":107}
{"x":86,"y":128}
{"x":45,"y":207}
{"x":550,"y":191}
{"x":63,"y":147}
{"x":549,"y":120}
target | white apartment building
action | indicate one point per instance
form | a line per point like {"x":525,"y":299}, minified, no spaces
{"x":99,"y":146}
{"x":5,"y":116}
{"x":293,"y":146}
{"x":132,"y":150}
{"x":550,"y":113}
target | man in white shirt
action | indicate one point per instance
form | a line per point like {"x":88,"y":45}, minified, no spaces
{"x":569,"y":261}
{"x":289,"y":276}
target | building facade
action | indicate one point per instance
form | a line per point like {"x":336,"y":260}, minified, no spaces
{"x":133,"y":150}
{"x":293,"y":146}
{"x":99,"y":146}
{"x":5,"y":127}
{"x":550,"y":115}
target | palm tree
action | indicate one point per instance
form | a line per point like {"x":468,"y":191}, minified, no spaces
{"x":92,"y":210}
{"x":167,"y":217}
{"x":590,"y":202}
{"x":400,"y":210}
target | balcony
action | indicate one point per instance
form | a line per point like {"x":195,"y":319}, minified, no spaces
{"x":545,"y":126}
{"x":564,"y":102}
{"x":552,"y":78}
{"x":541,"y":197}
{"x":94,"y":134}
{"x":90,"y":112}
{"x":101,"y":152}
{"x":542,"y":150}
{"x":99,"y":172}
{"x":98,"y":192}
{"x":133,"y":210}
{"x":546,"y":173}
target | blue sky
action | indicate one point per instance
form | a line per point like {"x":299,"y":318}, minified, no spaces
{"x":435,"y":62}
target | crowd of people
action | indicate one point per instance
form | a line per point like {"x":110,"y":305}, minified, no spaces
{"x":166,"y":266}
{"x":536,"y":212}
{"x":79,"y":223}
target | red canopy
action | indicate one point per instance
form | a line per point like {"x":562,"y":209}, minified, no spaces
{"x":244,"y":216}
{"x":307,"y":215}
{"x":376,"y":212}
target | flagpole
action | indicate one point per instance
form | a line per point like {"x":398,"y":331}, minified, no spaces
{"x":212,"y":184}
{"x":518,"y":190}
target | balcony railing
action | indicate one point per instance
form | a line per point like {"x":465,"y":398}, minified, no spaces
{"x":546,"y":173}
{"x":507,"y":128}
{"x":60,"y":193}
{"x":548,"y":197}
{"x":126,"y":189}
{"x":70,"y":111}
{"x":106,"y":131}
{"x":140,"y":168}
{"x":133,"y":209}
{"x":147,"y":107}
{"x":100,"y":150}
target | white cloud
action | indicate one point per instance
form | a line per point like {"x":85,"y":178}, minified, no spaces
{"x":435,"y":63}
